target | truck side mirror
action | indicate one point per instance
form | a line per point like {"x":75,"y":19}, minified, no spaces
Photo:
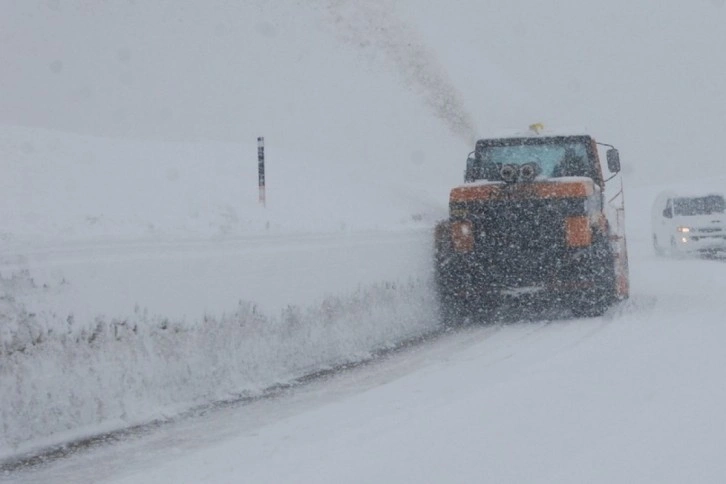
{"x":668,"y":213}
{"x":613,"y":160}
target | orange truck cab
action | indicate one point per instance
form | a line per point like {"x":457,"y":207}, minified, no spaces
{"x":537,"y":223}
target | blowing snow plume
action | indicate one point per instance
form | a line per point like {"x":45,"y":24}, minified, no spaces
{"x":373,"y":25}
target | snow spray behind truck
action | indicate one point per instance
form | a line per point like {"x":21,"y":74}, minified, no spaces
{"x":535,"y":223}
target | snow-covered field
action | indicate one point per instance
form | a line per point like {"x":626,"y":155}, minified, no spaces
{"x":140,"y":277}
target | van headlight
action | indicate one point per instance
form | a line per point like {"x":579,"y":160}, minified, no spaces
{"x":684,"y":230}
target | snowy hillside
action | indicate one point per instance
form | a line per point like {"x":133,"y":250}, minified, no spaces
{"x":60,"y":186}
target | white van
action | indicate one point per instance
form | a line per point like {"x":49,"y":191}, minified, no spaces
{"x":689,"y":224}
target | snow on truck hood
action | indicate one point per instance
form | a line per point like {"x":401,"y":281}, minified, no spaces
{"x":563,"y":179}
{"x":565,"y":187}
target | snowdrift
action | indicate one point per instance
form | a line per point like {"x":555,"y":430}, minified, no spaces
{"x":60,"y":382}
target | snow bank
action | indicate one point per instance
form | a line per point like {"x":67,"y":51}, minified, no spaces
{"x":59,"y":381}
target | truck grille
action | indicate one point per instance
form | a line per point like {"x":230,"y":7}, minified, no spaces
{"x":522,"y":242}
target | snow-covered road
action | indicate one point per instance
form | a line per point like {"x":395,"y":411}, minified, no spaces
{"x":102,"y":336}
{"x":636,"y":396}
{"x":191,"y":278}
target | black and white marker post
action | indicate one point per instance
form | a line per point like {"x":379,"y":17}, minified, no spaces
{"x":261,"y":168}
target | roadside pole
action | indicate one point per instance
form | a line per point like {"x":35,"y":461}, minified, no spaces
{"x":261,"y":169}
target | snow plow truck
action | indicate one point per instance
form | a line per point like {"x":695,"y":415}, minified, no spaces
{"x":537,"y":223}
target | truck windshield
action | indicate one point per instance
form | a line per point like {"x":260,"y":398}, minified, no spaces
{"x":564,"y":158}
{"x":699,"y":205}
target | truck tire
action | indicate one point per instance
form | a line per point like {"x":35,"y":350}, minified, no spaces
{"x":601,"y":270}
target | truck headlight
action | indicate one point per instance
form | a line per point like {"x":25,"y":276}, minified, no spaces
{"x":684,"y":229}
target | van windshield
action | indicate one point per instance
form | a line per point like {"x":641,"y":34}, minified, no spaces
{"x":699,"y":205}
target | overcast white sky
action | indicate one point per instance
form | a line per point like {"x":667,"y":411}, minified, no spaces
{"x":317,"y":78}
